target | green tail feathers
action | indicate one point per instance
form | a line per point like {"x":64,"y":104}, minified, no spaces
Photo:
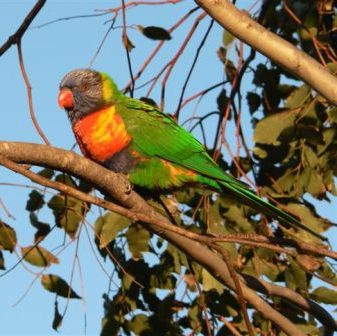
{"x":257,"y":203}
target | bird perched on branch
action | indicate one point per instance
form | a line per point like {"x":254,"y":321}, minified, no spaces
{"x":129,"y":136}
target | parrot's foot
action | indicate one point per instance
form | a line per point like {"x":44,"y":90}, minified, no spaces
{"x":128,"y":188}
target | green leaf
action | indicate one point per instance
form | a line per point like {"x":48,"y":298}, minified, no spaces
{"x":109,"y":326}
{"x":254,"y":101}
{"x":138,"y":240}
{"x":259,"y":152}
{"x":222,"y":54}
{"x":332,"y":115}
{"x":244,"y":163}
{"x":68,"y":212}
{"x":37,"y":224}
{"x":139,"y":325}
{"x":38,"y":256}
{"x":154,"y":33}
{"x":327,"y":273}
{"x":128,"y":45}
{"x":230,"y":70}
{"x":227,"y":38}
{"x":65,"y":179}
{"x":57,"y":321}
{"x":324,"y":295}
{"x":312,"y":182}
{"x":310,"y":23}
{"x":332,"y":67}
{"x":108,"y":226}
{"x":2,"y":261}
{"x":222,"y":101}
{"x":47,"y":173}
{"x":295,"y":276}
{"x":173,"y":257}
{"x":268,"y":129}
{"x":236,"y":217}
{"x":85,"y":186}
{"x":114,"y":311}
{"x":267,"y":268}
{"x":289,"y":183}
{"x":261,"y":75}
{"x":167,"y":307}
{"x":308,"y":218}
{"x":309,"y":157}
{"x":8,"y":238}
{"x":53,"y":283}
{"x":42,"y":228}
{"x":210,"y":283}
{"x":35,"y":201}
{"x":298,"y":97}
{"x":329,"y":135}
{"x":195,"y":318}
{"x":310,"y":133}
{"x":212,"y":218}
{"x":305,"y":35}
{"x":309,"y":263}
{"x":308,"y":329}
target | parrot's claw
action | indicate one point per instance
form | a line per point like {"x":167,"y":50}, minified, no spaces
{"x":129,"y":188}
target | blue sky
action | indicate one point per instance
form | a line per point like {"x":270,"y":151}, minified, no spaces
{"x":49,"y":53}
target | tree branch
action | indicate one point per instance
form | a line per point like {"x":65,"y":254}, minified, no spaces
{"x":16,"y":37}
{"x":269,"y":44}
{"x":29,"y":94}
{"x":262,"y":286}
{"x":116,"y":186}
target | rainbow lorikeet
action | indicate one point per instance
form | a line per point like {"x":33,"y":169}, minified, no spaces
{"x":129,"y":136}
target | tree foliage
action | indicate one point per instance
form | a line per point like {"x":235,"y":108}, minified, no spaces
{"x":160,"y":288}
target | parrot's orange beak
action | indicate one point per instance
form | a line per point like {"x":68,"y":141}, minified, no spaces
{"x":66,"y":99}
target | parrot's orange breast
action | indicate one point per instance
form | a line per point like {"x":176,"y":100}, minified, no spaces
{"x":101,"y":134}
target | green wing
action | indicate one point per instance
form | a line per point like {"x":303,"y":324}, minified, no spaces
{"x":155,"y":134}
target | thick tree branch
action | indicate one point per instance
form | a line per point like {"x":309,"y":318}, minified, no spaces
{"x":271,"y":243}
{"x":289,"y":295}
{"x":117,"y":187}
{"x":277,"y":49}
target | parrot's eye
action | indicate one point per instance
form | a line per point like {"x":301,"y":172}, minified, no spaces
{"x":84,"y":87}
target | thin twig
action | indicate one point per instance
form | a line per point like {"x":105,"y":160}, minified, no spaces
{"x":30,"y":97}
{"x":159,"y":45}
{"x":175,"y":58}
{"x":202,"y":43}
{"x":115,"y":261}
{"x":230,"y":326}
{"x":202,"y":296}
{"x":37,"y":275}
{"x":235,"y":87}
{"x":102,"y":42}
{"x":17,"y":36}
{"x":151,"y":3}
{"x":7,"y":212}
{"x":201,"y":93}
{"x":236,"y":280}
{"x":26,"y":253}
{"x":68,"y":18}
{"x":125,"y":43}
{"x":83,"y":301}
